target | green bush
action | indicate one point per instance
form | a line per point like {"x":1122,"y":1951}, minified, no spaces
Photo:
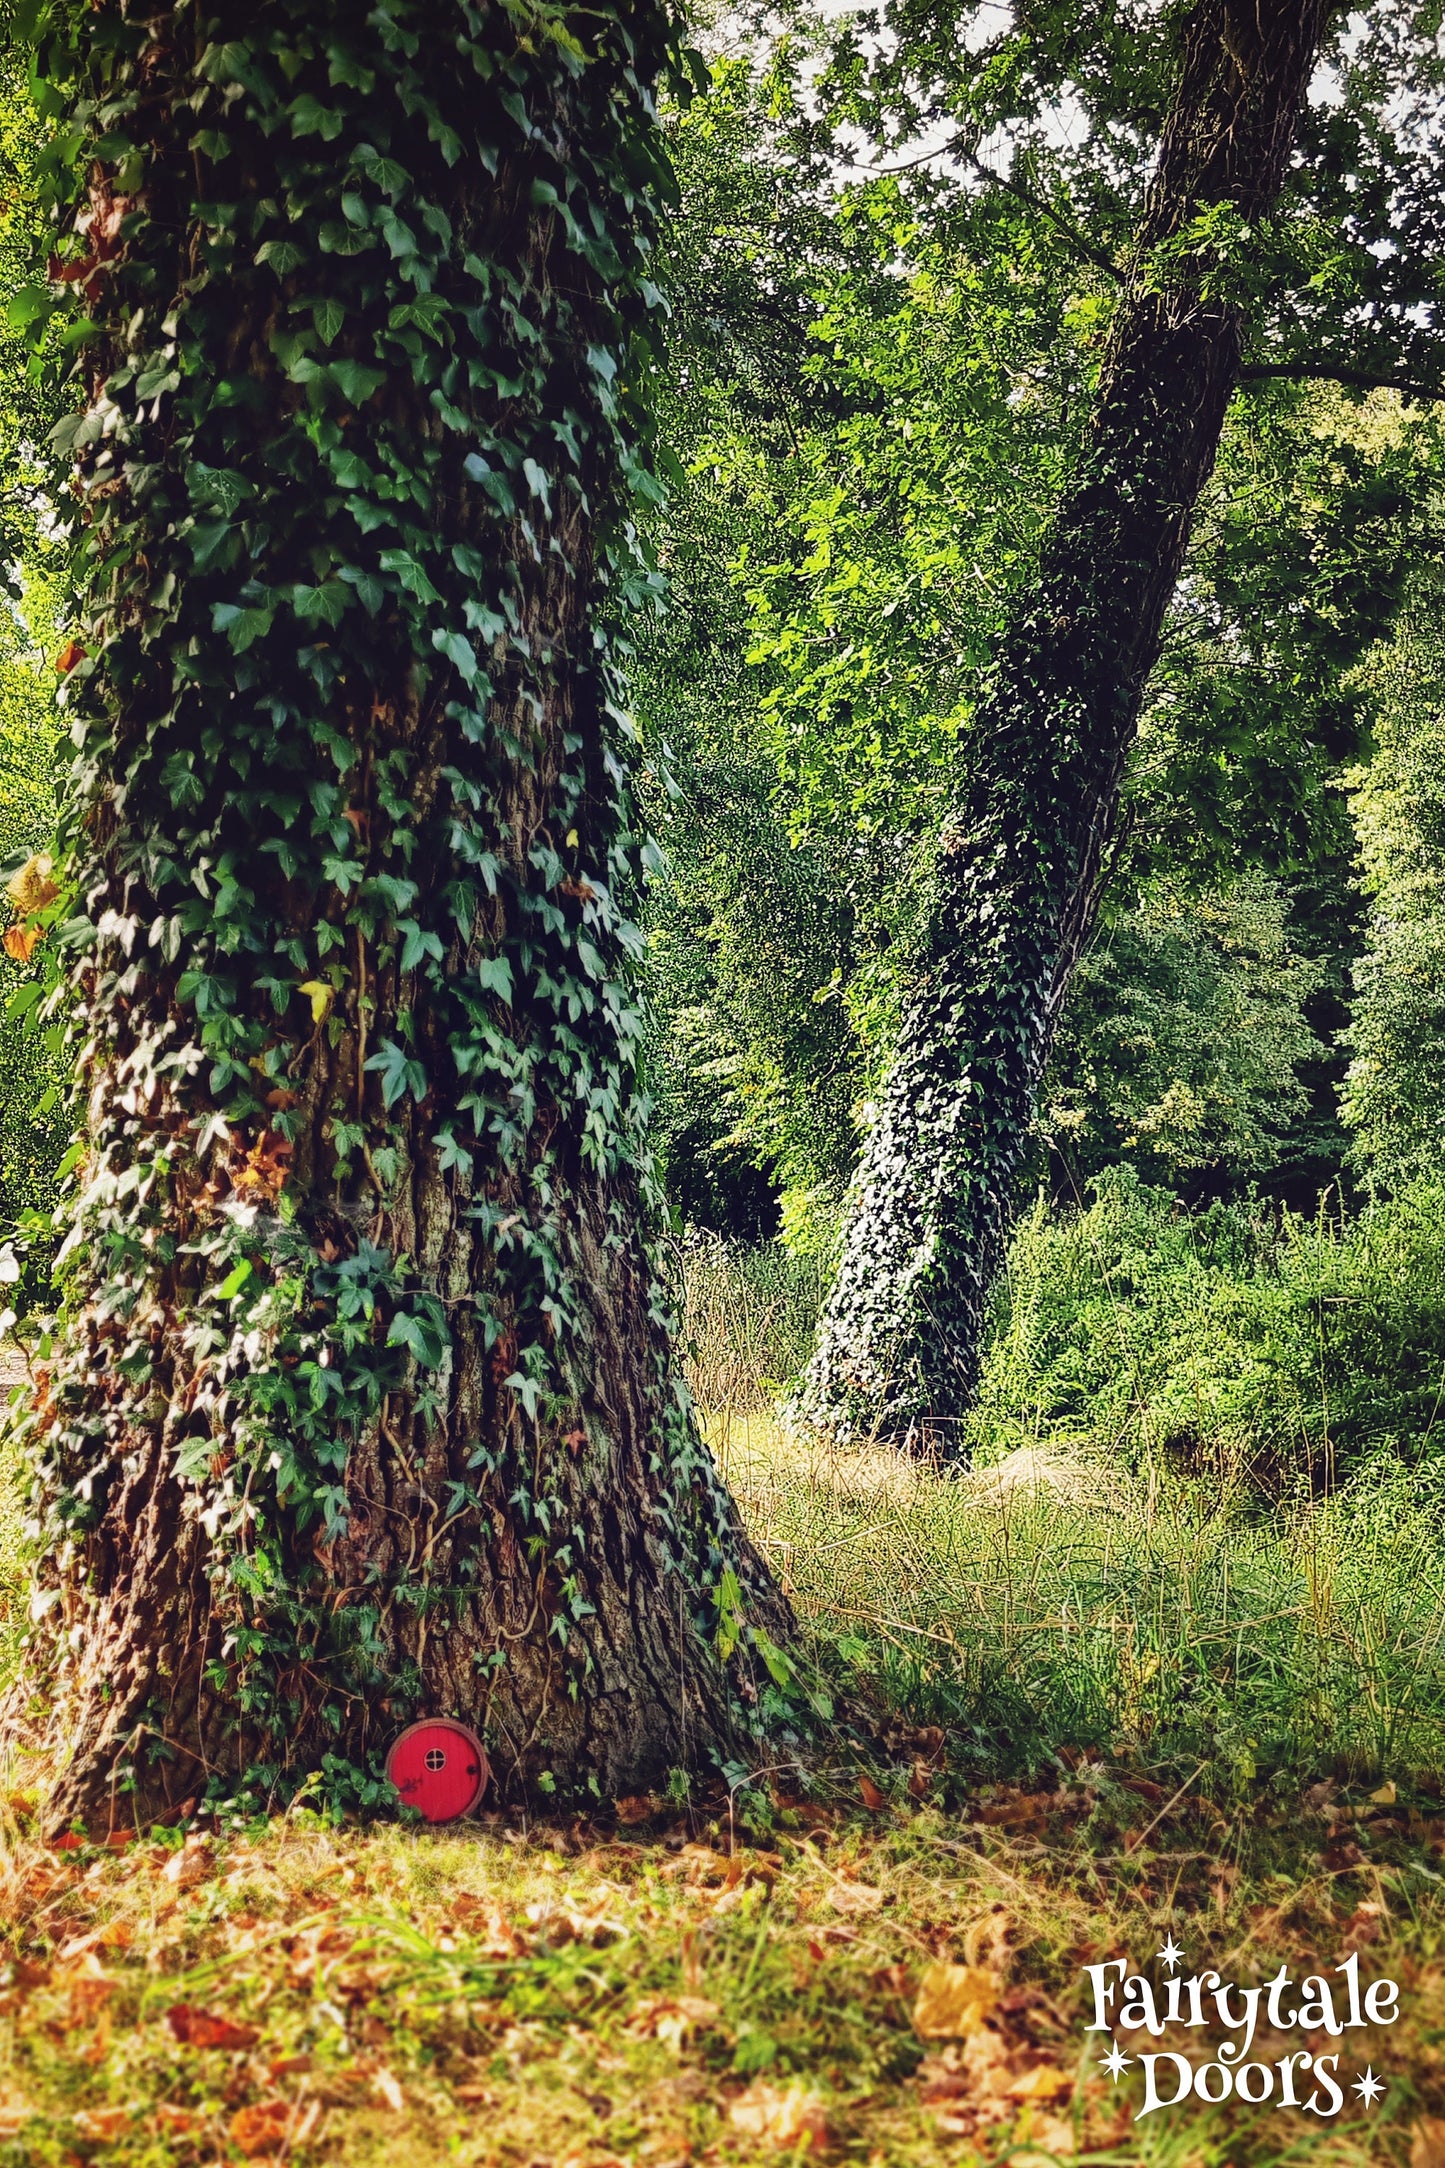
{"x":1281,"y":1349}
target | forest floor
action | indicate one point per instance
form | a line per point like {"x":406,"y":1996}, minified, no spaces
{"x":882,"y":1964}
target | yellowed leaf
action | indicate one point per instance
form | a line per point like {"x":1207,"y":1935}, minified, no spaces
{"x":321,"y":997}
{"x":33,"y":886}
{"x":953,"y":2001}
{"x":783,"y":2116}
{"x":21,"y":942}
{"x":1385,"y":1796}
{"x":1044,"y":2083}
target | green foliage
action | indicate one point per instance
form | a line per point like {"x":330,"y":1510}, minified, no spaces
{"x":1183,"y":1040}
{"x":1395,"y":1092}
{"x":875,"y":384}
{"x":1278,"y":1352}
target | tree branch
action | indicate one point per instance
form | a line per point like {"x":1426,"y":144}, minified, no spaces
{"x":1326,"y":372}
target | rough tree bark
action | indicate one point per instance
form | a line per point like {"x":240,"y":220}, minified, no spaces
{"x":1022,"y":850}
{"x":365,"y":1405}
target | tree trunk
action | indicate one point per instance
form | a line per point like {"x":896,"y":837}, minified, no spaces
{"x":365,"y":1405}
{"x":1023,"y":848}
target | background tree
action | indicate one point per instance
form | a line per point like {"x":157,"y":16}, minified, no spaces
{"x":364,"y":1404}
{"x":1023,"y":851}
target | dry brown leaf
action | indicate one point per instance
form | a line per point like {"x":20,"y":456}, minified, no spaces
{"x":637,"y":1807}
{"x":15,"y":2113}
{"x":953,"y":2001}
{"x":1427,"y":2142}
{"x":782,"y":2116}
{"x":90,"y":1987}
{"x":260,"y":2129}
{"x":103,"y":2122}
{"x":208,"y":2029}
{"x":179,"y":2120}
{"x":874,"y":1800}
{"x":673,"y":2019}
{"x":855,"y":1897}
{"x":384,"y":2085}
{"x":1054,"y":2139}
{"x":184,"y":1869}
{"x":920,"y":1780}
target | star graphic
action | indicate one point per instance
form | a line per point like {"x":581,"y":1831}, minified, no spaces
{"x":1116,"y":2062}
{"x":1171,"y":1952}
{"x":1369,"y":2087}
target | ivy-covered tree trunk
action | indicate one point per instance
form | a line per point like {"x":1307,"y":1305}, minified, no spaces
{"x":1024,"y":845}
{"x":364,"y":1406}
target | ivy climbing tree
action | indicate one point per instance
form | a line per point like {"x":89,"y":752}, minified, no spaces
{"x":1024,"y":848}
{"x":363,"y":1405}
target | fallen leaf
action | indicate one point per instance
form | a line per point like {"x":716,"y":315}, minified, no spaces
{"x":1044,"y":2083}
{"x":103,"y":2122}
{"x":855,"y":1897}
{"x":180,"y":2120}
{"x":920,"y":1780}
{"x":953,"y":2001}
{"x":874,"y":1800}
{"x":784,"y":2116}
{"x":208,"y":2029}
{"x":260,"y":2129}
{"x":1427,"y":2142}
{"x":385,"y":2085}
{"x":184,"y":1869}
{"x":90,"y":1987}
{"x":475,"y":2096}
{"x":1053,"y":2138}
{"x":1385,"y":1796}
{"x":637,"y":1807}
{"x":14,"y":2115}
{"x":673,"y":2019}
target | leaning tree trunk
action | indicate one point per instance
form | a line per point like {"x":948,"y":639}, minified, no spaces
{"x":365,"y":1406}
{"x":1023,"y":847}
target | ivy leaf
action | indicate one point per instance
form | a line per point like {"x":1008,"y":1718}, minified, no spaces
{"x":328,"y":317}
{"x":399,"y":1073}
{"x":220,"y":486}
{"x":409,"y":573}
{"x":367,"y":586}
{"x":494,"y":974}
{"x":458,"y":652}
{"x":283,"y":256}
{"x":423,"y":1331}
{"x":243,"y":628}
{"x":417,"y":941}
{"x":355,"y":381}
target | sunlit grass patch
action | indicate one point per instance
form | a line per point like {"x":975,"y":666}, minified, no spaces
{"x":1058,"y":1598}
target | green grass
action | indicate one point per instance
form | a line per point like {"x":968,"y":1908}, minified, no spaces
{"x":1061,"y":1599}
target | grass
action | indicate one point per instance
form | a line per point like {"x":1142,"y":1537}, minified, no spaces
{"x":1126,"y":1690}
{"x":679,"y":1992}
{"x":1062,"y":1599}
